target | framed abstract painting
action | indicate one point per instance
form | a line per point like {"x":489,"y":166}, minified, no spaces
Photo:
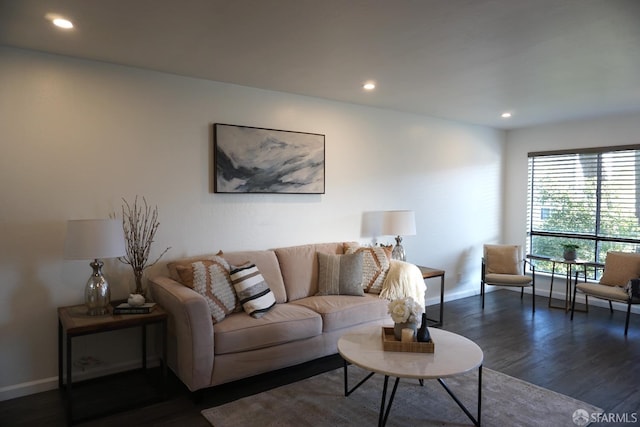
{"x":257,"y":160}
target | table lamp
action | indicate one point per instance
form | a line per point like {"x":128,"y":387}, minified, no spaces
{"x":399,"y":223}
{"x":371,"y":225}
{"x":94,"y":239}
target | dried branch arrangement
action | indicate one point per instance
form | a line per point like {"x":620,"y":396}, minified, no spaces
{"x":140,"y":223}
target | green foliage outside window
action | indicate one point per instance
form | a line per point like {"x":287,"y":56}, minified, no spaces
{"x":590,"y":200}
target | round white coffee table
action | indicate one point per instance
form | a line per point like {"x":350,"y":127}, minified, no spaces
{"x":453,"y":355}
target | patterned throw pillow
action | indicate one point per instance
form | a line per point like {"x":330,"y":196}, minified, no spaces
{"x":340,"y":274}
{"x":375,"y":265}
{"x":181,"y":271}
{"x":253,"y":292}
{"x":211,"y":280}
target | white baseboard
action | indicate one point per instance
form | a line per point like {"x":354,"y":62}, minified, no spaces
{"x":51,"y":383}
{"x":451,"y":296}
{"x":25,"y":389}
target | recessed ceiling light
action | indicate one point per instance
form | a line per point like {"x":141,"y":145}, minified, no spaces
{"x":59,"y":21}
{"x":505,"y":115}
{"x":369,"y":86}
{"x":62,"y":23}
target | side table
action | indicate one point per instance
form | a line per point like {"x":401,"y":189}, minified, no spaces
{"x":570,"y":265}
{"x":430,"y":273}
{"x":73,"y":321}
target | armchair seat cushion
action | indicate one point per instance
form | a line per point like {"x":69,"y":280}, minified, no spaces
{"x":615,"y":293}
{"x":507,"y":279}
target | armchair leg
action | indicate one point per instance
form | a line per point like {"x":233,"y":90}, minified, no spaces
{"x":610,"y":307}
{"x":482,"y":293}
{"x":533,"y":296}
{"x":521,"y":292}
{"x":626,"y":323}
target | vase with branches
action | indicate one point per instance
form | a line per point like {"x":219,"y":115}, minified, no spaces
{"x":140,"y":224}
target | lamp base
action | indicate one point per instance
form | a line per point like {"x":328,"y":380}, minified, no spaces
{"x":398,"y":251}
{"x":97,"y":294}
{"x":97,"y":311}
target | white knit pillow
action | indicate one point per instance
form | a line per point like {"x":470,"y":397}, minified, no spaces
{"x":375,"y":265}
{"x":211,"y":280}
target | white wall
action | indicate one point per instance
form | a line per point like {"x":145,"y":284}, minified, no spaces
{"x":601,"y":132}
{"x":77,"y":136}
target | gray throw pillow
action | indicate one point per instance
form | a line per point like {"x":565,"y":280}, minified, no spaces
{"x":340,"y":274}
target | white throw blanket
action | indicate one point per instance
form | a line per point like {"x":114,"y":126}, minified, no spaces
{"x":404,"y":280}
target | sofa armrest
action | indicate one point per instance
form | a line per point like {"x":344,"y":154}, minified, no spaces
{"x":192,"y":329}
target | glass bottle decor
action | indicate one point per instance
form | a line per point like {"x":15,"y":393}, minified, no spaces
{"x":423,"y":333}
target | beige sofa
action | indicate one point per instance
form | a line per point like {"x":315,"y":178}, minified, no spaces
{"x":299,"y":328}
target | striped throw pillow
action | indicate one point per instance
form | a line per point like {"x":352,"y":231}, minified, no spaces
{"x":253,"y":292}
{"x":340,"y":274}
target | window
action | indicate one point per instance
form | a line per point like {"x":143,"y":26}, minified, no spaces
{"x":590,"y":198}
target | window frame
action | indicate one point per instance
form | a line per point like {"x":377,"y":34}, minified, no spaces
{"x":595,"y":238}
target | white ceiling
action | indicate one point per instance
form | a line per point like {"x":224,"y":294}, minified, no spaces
{"x":466,"y":60}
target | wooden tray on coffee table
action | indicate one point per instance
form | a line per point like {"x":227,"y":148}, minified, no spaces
{"x":390,"y":343}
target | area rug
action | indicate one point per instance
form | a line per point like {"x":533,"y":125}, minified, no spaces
{"x":319,"y":401}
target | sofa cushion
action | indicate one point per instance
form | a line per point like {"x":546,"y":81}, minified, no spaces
{"x":253,"y":292}
{"x":210,"y":278}
{"x":282,"y":324}
{"x":340,"y":274}
{"x":267,"y":263}
{"x":375,"y":265}
{"x":299,"y":267}
{"x":342,"y":311}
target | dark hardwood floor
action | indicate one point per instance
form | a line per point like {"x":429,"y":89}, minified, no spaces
{"x":589,"y":359}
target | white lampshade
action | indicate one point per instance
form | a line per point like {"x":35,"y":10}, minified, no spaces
{"x":399,"y":223}
{"x":371,"y":225}
{"x":94,"y":239}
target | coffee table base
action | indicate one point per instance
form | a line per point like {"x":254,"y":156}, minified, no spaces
{"x":385,"y":407}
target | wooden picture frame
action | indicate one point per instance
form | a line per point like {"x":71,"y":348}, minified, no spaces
{"x":259,"y":160}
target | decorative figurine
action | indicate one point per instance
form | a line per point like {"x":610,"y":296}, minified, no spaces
{"x":135,"y":300}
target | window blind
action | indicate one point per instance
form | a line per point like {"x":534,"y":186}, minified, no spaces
{"x":589,"y":198}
